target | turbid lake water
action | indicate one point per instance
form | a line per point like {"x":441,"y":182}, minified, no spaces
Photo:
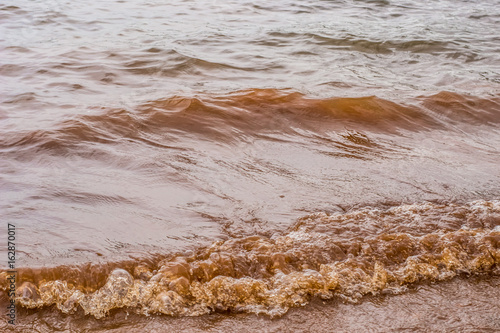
{"x":232,"y":166}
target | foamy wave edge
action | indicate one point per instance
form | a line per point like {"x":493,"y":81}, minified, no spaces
{"x":271,"y":275}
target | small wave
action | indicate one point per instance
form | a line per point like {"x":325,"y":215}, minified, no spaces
{"x":353,"y":43}
{"x":257,"y":112}
{"x":349,"y":255}
{"x":458,"y":109}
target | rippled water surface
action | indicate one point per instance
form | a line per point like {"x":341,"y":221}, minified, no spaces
{"x":212,"y":165}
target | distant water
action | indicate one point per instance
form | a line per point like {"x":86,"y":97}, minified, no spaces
{"x":207,"y":166}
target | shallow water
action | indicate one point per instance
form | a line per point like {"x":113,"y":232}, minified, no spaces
{"x":454,"y":305}
{"x":240,"y":158}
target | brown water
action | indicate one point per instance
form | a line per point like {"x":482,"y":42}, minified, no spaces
{"x":218,"y":166}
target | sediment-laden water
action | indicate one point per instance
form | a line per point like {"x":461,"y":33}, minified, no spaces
{"x":214,"y":166}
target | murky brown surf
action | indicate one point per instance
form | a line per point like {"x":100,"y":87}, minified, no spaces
{"x":344,"y":255}
{"x":453,"y":305}
{"x":297,"y":166}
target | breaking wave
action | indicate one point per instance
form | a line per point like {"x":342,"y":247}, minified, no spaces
{"x":346,"y":255}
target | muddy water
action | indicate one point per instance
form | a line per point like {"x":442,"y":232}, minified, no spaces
{"x":211,"y":166}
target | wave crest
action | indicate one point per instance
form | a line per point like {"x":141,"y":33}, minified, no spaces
{"x":321,"y":256}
